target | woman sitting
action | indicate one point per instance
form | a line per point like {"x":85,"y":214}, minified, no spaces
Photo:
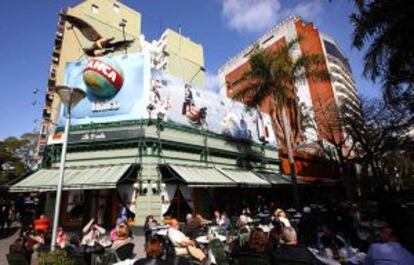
{"x":120,"y":236}
{"x":154,"y":250}
{"x":93,"y":236}
{"x":256,"y":250}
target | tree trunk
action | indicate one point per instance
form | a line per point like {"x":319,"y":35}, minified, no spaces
{"x":286,"y":130}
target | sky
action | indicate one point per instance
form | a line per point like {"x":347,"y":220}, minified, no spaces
{"x":223,"y":27}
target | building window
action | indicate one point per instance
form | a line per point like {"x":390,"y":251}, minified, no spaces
{"x":116,"y":8}
{"x":94,"y":8}
{"x":74,"y":209}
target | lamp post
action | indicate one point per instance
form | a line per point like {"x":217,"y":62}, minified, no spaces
{"x":70,"y":97}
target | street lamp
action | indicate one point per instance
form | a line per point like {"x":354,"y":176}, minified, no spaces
{"x":70,"y":97}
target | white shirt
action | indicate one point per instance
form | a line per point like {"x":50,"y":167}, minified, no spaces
{"x":285,"y":221}
{"x":177,"y":237}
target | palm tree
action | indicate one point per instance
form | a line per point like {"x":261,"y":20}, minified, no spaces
{"x":383,"y":29}
{"x":271,"y":79}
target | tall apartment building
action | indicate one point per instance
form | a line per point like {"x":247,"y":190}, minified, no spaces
{"x":178,"y":55}
{"x":317,"y":96}
{"x":111,"y":19}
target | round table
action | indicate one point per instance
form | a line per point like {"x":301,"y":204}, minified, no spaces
{"x":204,"y":240}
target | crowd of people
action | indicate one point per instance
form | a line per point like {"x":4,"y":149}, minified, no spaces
{"x":93,"y":239}
{"x":270,"y":235}
{"x":264,"y":234}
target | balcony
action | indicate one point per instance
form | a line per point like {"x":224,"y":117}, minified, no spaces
{"x":51,"y":82}
{"x":55,"y":59}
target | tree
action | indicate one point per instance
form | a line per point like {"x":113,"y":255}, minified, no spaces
{"x":272,"y":78}
{"x":335,"y":144}
{"x":384,"y":27}
{"x":380,"y":136}
{"x":17,"y":156}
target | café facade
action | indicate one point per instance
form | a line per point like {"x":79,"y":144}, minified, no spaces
{"x":154,"y":167}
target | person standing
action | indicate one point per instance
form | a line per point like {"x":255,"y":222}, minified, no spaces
{"x":3,"y":215}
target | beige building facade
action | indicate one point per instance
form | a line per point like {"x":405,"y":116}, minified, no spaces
{"x":107,"y":17}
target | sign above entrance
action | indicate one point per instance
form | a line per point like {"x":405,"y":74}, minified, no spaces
{"x":99,"y":135}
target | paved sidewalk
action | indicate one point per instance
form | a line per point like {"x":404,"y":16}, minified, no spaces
{"x":6,"y":242}
{"x":139,"y":246}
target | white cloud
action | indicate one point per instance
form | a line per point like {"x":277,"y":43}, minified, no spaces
{"x":250,"y":15}
{"x":258,"y":15}
{"x":308,"y":10}
{"x":212,"y":82}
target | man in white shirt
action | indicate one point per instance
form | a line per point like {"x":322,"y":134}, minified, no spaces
{"x":182,"y":244}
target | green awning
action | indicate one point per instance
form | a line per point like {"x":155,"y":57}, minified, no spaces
{"x":86,"y":178}
{"x":274,"y":178}
{"x":245,"y":178}
{"x":202,"y":176}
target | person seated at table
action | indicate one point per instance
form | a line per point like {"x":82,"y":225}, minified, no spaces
{"x":19,"y":247}
{"x":120,"y":236}
{"x":217,"y":217}
{"x":188,"y":218}
{"x":92,"y":234}
{"x":256,"y":251}
{"x":328,"y":239}
{"x":35,"y":244}
{"x":389,"y":251}
{"x":224,"y":221}
{"x":242,"y":224}
{"x":61,"y":239}
{"x":154,"y":250}
{"x":182,"y":244}
{"x":41,"y":224}
{"x":280,"y":215}
{"x":193,"y":226}
{"x":74,"y":248}
{"x":290,"y":252}
{"x":149,"y":225}
{"x":275,"y":235}
{"x":246,"y":211}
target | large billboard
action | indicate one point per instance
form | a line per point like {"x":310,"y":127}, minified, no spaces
{"x":176,"y":101}
{"x":125,"y":88}
{"x":116,"y":87}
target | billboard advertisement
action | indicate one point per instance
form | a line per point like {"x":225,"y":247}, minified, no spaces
{"x":126,"y":88}
{"x":176,"y":101}
{"x":116,"y":87}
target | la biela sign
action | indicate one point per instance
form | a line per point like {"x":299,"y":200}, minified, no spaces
{"x":98,"y":136}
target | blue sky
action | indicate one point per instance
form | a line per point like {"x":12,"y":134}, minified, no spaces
{"x":223,"y":27}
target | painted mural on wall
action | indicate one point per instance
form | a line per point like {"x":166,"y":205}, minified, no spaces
{"x":125,"y":88}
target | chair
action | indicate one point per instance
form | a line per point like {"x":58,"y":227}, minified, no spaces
{"x":125,"y":252}
{"x":251,"y":258}
{"x":217,"y":249}
{"x":17,"y":259}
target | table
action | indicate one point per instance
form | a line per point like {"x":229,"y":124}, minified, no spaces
{"x":204,"y":240}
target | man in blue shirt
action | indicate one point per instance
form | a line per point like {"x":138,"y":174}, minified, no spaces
{"x":389,"y":252}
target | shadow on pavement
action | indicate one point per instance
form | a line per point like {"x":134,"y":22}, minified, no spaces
{"x":8,"y":232}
